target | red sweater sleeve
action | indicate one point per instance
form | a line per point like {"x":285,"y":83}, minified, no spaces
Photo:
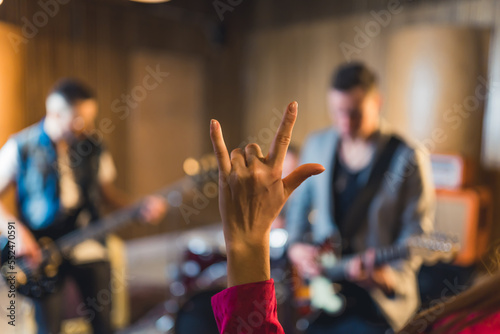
{"x":489,"y":325}
{"x":248,"y":308}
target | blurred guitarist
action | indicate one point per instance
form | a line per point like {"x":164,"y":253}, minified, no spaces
{"x":376,"y":192}
{"x":62,"y":174}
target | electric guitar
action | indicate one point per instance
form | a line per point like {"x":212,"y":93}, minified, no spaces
{"x":324,"y":294}
{"x":38,"y":282}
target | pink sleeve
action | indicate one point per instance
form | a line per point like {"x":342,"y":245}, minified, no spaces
{"x":487,"y":326}
{"x":247,"y":308}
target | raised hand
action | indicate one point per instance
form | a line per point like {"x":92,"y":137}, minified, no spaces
{"x":251,"y":195}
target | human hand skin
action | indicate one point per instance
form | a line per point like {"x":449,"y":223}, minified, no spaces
{"x":28,"y":247}
{"x":362,"y":271}
{"x":305,"y":259}
{"x":153,"y":209}
{"x":251,"y":195}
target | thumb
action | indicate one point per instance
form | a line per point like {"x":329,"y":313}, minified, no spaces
{"x":299,"y":175}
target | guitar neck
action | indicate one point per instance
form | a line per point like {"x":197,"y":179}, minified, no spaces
{"x":114,"y":221}
{"x":98,"y":229}
{"x":338,"y":272}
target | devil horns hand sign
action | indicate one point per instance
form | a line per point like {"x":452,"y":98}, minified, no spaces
{"x":251,"y":195}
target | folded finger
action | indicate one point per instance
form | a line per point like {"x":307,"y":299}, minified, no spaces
{"x":253,"y":151}
{"x":238,"y":159}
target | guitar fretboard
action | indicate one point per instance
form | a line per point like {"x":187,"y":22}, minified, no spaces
{"x":114,"y":221}
{"x":98,"y":229}
{"x":383,"y":256}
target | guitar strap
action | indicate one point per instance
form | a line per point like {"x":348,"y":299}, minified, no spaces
{"x":357,"y":213}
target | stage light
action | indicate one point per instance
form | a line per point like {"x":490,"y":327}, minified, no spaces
{"x":191,"y":167}
{"x":165,"y":323}
{"x":278,"y":238}
{"x":198,"y":246}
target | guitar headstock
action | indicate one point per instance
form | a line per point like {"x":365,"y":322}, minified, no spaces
{"x":433,"y":248}
{"x":200,"y":174}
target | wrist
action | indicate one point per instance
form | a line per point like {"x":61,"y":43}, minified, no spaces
{"x":248,"y":261}
{"x":246,"y":250}
{"x":245,"y":244}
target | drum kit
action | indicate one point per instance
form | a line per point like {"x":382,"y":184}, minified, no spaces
{"x":202,"y":273}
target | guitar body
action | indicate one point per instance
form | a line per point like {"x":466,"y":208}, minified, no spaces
{"x":33,"y":283}
{"x":332,"y":294}
{"x":324,"y":297}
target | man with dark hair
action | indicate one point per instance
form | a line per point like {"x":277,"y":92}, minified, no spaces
{"x":72,"y":91}
{"x":353,"y":75}
{"x":360,"y":213}
{"x":61,"y":177}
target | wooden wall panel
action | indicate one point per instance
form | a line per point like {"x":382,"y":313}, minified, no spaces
{"x":433,"y":80}
{"x":11,"y":92}
{"x":314,"y":50}
{"x":166,"y":127}
{"x":11,"y":84}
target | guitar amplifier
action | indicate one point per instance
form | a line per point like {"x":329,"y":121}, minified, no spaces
{"x":451,"y":171}
{"x":467,"y":215}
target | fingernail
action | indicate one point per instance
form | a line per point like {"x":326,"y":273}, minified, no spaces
{"x":319,"y":171}
{"x":213,"y":123}
{"x":293,"y":107}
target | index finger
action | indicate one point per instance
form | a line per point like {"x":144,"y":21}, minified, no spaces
{"x":220,"y":148}
{"x":282,"y":139}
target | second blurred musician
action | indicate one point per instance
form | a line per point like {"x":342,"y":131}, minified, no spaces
{"x":349,"y":206}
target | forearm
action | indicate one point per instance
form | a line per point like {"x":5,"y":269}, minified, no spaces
{"x":248,"y":263}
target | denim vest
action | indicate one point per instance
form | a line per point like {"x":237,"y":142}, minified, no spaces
{"x":38,"y":193}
